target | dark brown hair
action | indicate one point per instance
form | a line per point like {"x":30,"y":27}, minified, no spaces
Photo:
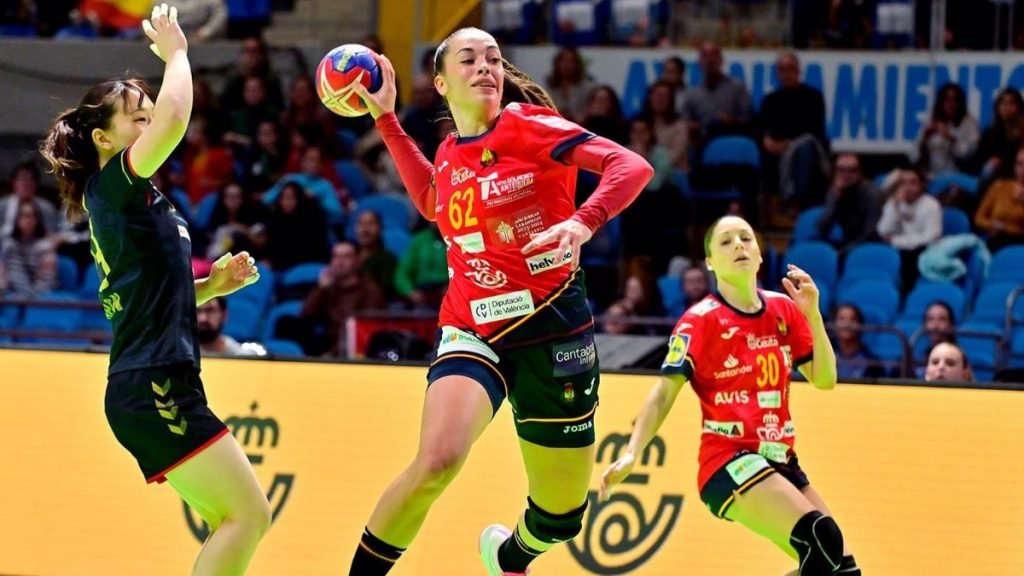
{"x":69,"y":149}
{"x":518,"y":86}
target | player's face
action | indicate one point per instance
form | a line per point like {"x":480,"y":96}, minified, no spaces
{"x":473,"y":73}
{"x":128,"y":122}
{"x":734,"y":250}
{"x":946,"y":362}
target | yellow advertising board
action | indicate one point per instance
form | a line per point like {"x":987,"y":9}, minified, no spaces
{"x":924,"y":481}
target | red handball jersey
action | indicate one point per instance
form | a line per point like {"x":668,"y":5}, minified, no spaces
{"x":493,"y":192}
{"x":739,"y":365}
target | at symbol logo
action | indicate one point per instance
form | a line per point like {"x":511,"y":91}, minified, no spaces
{"x":619,"y":535}
{"x":255,"y":434}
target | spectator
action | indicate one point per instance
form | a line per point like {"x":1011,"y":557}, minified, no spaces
{"x":852,"y":202}
{"x":792,"y":121}
{"x":244,"y":120}
{"x":208,"y":163}
{"x":374,"y":260}
{"x":949,"y":140}
{"x":850,"y":23}
{"x":296,"y":231}
{"x":311,"y":178}
{"x":25,"y":188}
{"x":252,"y":61}
{"x":1001,"y":213}
{"x":669,"y":129}
{"x":657,"y":207}
{"x":911,"y":220}
{"x":28,"y":261}
{"x":263,"y":164}
{"x":938,"y":324}
{"x":720,"y":104}
{"x":304,"y":109}
{"x":696,"y":285}
{"x":202,"y":20}
{"x":210,"y":319}
{"x":422,"y":275}
{"x":205,"y":104}
{"x":341,"y":292}
{"x":853,"y":359}
{"x":673,"y":72}
{"x":235,"y":224}
{"x":1000,"y":141}
{"x":568,"y":84}
{"x":644,"y":142}
{"x":641,"y":292}
{"x":616,"y":319}
{"x":948,"y":362}
{"x":603,"y":115}
{"x":419,"y":119}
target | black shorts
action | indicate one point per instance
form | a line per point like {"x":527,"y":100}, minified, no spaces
{"x":552,"y":386}
{"x":160,"y":415}
{"x":745,"y":470}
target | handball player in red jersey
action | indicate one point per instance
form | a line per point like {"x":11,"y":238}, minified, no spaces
{"x":515,"y":322}
{"x":738,"y":347}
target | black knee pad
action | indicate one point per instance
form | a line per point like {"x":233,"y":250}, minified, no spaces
{"x":818,"y":541}
{"x":553,"y":528}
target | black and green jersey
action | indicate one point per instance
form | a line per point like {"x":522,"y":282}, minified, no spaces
{"x":143,"y":257}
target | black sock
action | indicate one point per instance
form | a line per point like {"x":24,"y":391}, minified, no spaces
{"x":514,"y":555}
{"x":374,"y":557}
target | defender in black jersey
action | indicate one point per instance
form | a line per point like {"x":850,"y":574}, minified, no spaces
{"x":102,"y":153}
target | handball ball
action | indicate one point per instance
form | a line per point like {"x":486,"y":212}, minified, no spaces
{"x":339,"y":70}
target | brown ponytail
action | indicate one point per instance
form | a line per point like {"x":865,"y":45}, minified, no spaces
{"x":68,"y":147}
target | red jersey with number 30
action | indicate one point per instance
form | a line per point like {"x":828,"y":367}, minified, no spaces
{"x":493,"y":192}
{"x":739,"y":365}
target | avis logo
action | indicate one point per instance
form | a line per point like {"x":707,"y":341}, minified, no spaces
{"x":256,"y":435}
{"x":619,"y":535}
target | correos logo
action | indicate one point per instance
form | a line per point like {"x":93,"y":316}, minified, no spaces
{"x":257,"y":436}
{"x":620,"y":535}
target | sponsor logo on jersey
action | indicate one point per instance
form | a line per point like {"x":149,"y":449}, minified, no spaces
{"x":734,"y":370}
{"x":455,"y":340}
{"x":731,"y":361}
{"x":502,"y":306}
{"x":760,"y":342}
{"x":730,"y":332}
{"x":574,"y":357}
{"x":183,"y":232}
{"x":728,"y":429}
{"x":581,"y":427}
{"x":461,"y":175}
{"x":678,"y":344}
{"x":745,"y":467}
{"x":483,"y":276}
{"x":442,"y":166}
{"x":703,"y":307}
{"x":472,"y":243}
{"x":731,"y":397}
{"x":774,"y":451}
{"x":769,"y":399}
{"x":547,"y":261}
{"x":495,"y":191}
{"x":771,"y":431}
{"x":505,"y":232}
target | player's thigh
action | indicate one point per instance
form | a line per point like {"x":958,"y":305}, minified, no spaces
{"x":771,"y":509}
{"x":559,"y":478}
{"x":220,"y":481}
{"x":456,"y":412}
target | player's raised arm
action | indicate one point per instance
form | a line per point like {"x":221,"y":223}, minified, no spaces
{"x":169,"y":117}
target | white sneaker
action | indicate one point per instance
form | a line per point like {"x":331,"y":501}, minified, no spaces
{"x":490,"y":540}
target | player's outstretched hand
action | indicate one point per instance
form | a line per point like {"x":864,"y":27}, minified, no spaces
{"x":615,"y":474}
{"x":163,"y":30}
{"x":231,"y":273}
{"x":569,"y":235}
{"x":802,"y":290}
{"x":382,"y":101}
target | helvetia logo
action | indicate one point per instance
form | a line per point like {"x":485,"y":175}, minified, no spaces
{"x":256,"y":435}
{"x":620,"y":535}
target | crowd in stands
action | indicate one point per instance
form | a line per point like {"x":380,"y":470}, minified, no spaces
{"x":924,"y":254}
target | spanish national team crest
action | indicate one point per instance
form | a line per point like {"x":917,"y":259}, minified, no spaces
{"x":488,"y":158}
{"x":568,"y":393}
{"x":783,"y":329}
